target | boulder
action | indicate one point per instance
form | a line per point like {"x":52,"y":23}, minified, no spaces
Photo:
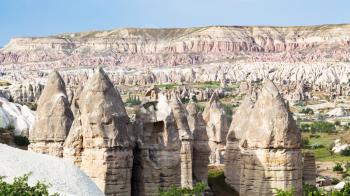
{"x":17,"y":116}
{"x":61,"y":175}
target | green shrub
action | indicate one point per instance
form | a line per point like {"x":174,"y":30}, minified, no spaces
{"x":319,"y":126}
{"x":337,"y":123}
{"x":197,"y":190}
{"x":305,"y":127}
{"x":21,"y":141}
{"x":338,"y":168}
{"x":307,"y":111}
{"x":323,"y":126}
{"x":20,"y":187}
{"x":132,"y":100}
{"x":345,"y":152}
{"x":312,"y":190}
{"x":285,"y":193}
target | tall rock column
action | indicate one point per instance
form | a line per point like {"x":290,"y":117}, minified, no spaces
{"x":53,"y":118}
{"x":201,"y":150}
{"x":158,"y":163}
{"x":271,"y":155}
{"x":236,"y":133}
{"x":186,"y":137}
{"x":98,"y":142}
{"x":216,"y":122}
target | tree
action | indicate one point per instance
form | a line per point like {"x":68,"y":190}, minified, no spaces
{"x":21,"y":187}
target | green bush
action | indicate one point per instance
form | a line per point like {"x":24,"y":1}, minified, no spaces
{"x":285,"y":193}
{"x":338,"y":168}
{"x":319,"y":126}
{"x":307,"y":111}
{"x":21,"y":141}
{"x":132,"y":100}
{"x":345,"y":152}
{"x":20,"y":187}
{"x":197,"y":190}
{"x":312,"y":190}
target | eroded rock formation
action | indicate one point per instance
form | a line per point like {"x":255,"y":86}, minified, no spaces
{"x":53,"y":118}
{"x":216,"y":123}
{"x":201,"y":150}
{"x":98,"y":142}
{"x":180,"y":46}
{"x":238,"y":129}
{"x":271,"y":155}
{"x":159,"y":152}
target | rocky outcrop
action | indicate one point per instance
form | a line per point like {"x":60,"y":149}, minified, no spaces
{"x":309,"y":168}
{"x":53,"y":118}
{"x":216,"y":123}
{"x":61,"y":175}
{"x":181,"y":46}
{"x":201,"y":150}
{"x":98,"y":142}
{"x":271,"y":156}
{"x":157,"y":153}
{"x":238,"y":129}
{"x":23,"y":93}
{"x":186,"y":137}
{"x":16,"y":116}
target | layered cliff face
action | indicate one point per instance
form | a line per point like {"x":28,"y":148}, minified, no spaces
{"x":156,"y":47}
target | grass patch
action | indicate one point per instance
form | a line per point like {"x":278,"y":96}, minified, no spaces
{"x":216,"y":181}
{"x":324,"y":153}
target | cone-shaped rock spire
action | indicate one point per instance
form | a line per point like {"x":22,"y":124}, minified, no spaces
{"x":53,"y":118}
{"x":271,"y":124}
{"x":270,"y":153}
{"x":98,"y":141}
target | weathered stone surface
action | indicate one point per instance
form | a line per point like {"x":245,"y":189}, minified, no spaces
{"x":53,"y":118}
{"x":201,"y":150}
{"x":309,"y":168}
{"x":98,"y":142}
{"x":186,"y":137}
{"x":271,"y":156}
{"x":216,"y":123}
{"x":238,"y":129}
{"x":181,"y":46}
{"x":20,"y":117}
{"x":164,"y":149}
